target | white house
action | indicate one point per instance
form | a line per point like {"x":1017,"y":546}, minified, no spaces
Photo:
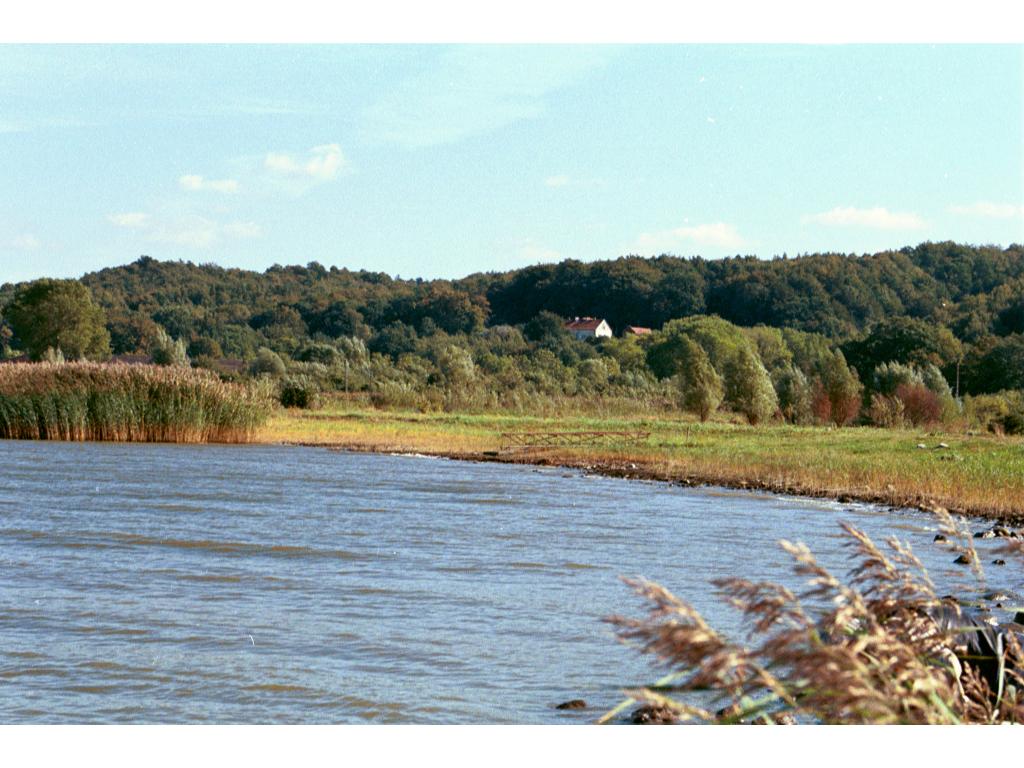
{"x":588,"y":327}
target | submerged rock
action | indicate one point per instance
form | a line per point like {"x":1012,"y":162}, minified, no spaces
{"x":572,"y":704}
{"x":648,"y":715}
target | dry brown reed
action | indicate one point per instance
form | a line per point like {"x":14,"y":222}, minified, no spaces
{"x":886,"y":650}
{"x":93,"y":401}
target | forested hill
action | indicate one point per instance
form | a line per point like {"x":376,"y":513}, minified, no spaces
{"x":976,"y":292}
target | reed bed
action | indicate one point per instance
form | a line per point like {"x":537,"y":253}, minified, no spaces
{"x":885,"y":649}
{"x":127,"y":403}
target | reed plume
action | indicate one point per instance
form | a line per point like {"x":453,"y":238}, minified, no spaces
{"x":885,"y":649}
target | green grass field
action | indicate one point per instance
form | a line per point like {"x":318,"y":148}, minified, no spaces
{"x":977,"y":474}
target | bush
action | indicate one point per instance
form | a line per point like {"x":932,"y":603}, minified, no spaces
{"x":886,"y":411}
{"x":920,"y":404}
{"x":268,"y":363}
{"x":299,"y":392}
{"x":1002,"y":413}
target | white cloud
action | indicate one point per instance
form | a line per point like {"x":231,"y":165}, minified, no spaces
{"x":192,"y":231}
{"x":26,"y":242}
{"x":129,"y":220}
{"x":323,"y":163}
{"x":987,"y":210}
{"x":868,"y":218}
{"x":471,"y":90}
{"x":713,"y":235}
{"x":556,"y":181}
{"x":196,"y":183}
{"x":200,"y":232}
{"x":244,"y":230}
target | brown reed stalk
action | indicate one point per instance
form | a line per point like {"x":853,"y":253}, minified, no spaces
{"x":881,"y":653}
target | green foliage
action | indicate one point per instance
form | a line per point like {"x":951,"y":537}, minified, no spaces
{"x":748,"y":387}
{"x":904,"y":340}
{"x":720,"y":339}
{"x":997,"y":364}
{"x":394,"y":340}
{"x":794,"y":393}
{"x":168,"y":351}
{"x":456,"y":367}
{"x":811,"y":351}
{"x":318,"y":352}
{"x":298,"y":391}
{"x":771,"y":347}
{"x":204,"y":346}
{"x":1001,"y":412}
{"x":887,"y":377}
{"x":60,"y":314}
{"x":837,"y":396}
{"x":700,"y":387}
{"x":894,"y":306}
{"x":267,"y":363}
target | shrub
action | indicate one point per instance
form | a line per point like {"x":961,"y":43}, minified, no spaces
{"x":886,"y":411}
{"x":299,"y":391}
{"x":920,"y":404}
{"x":268,"y":363}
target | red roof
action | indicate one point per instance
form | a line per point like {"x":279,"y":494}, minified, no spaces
{"x":583,"y":324}
{"x":638,"y":330}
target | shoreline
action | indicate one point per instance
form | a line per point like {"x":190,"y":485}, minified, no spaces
{"x":638,"y":468}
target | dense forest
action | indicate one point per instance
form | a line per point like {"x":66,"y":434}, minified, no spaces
{"x":942,"y":318}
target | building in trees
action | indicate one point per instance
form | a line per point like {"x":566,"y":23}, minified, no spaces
{"x":588,"y":328}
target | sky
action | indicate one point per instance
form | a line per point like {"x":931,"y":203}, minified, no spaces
{"x":441,"y":161}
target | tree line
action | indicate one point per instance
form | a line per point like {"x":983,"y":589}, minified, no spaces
{"x":889,"y":338}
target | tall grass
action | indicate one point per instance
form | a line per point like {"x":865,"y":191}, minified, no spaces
{"x":92,"y":401}
{"x":887,"y":650}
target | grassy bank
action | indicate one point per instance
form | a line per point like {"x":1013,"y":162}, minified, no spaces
{"x":89,"y":401}
{"x":976,"y":474}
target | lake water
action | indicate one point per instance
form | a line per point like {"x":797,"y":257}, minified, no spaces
{"x":262,"y":584}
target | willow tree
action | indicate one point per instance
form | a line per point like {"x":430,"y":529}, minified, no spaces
{"x":700,"y":386}
{"x":749,"y":388}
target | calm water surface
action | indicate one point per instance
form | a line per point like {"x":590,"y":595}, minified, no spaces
{"x":155,"y":583}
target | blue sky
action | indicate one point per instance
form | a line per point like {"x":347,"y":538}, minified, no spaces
{"x":439,"y":161}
